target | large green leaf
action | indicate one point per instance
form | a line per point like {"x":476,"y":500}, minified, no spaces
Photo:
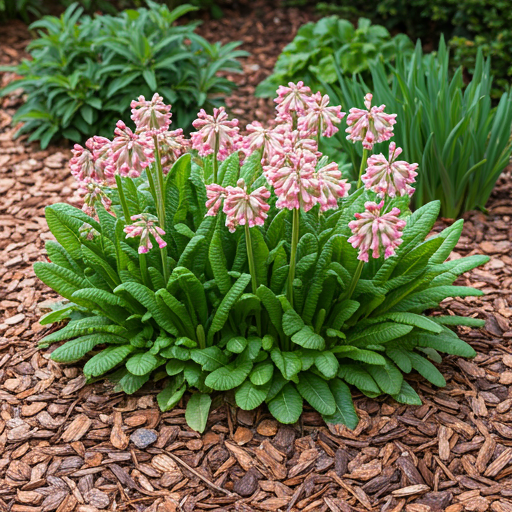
{"x":316,"y":391}
{"x":286,"y":407}
{"x":388,"y":377}
{"x":106,"y":360}
{"x":289,"y":363}
{"x":228,"y":377}
{"x":142,"y":364}
{"x":345,"y":412}
{"x":249,"y":396}
{"x":197,"y":411}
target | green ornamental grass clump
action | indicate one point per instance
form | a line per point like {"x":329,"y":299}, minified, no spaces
{"x":274,"y":277}
{"x":85,"y":70}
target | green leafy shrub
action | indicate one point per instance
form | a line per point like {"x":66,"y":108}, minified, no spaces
{"x":84,"y":71}
{"x":461,"y":143}
{"x":312,"y":55}
{"x":281,"y":310}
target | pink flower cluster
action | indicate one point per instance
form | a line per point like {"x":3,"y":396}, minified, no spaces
{"x":370,"y":126}
{"x":240,"y":206}
{"x":376,"y":231}
{"x":390,"y":177}
{"x":143,"y":226}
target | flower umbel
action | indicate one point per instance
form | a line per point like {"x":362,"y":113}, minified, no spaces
{"x":151,"y":116}
{"x":130,"y":153}
{"x":331,"y":186}
{"x":93,"y":192}
{"x":209,"y":128}
{"x":374,"y":231}
{"x":390,"y":177}
{"x":320,"y":117}
{"x":293,"y":98}
{"x":143,"y":226}
{"x":370,"y":126}
{"x":243,"y":208}
{"x":216,"y":195}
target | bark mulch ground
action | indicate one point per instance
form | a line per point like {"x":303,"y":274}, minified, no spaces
{"x":66,"y":446}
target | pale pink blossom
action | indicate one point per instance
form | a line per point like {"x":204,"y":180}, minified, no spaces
{"x":216,"y":195}
{"x":89,"y":163}
{"x":93,"y":193}
{"x":211,"y":128}
{"x":332,"y":186}
{"x":172,"y":144}
{"x":320,"y":117}
{"x":370,"y":126}
{"x":294,"y":181}
{"x":151,"y":116}
{"x":374,"y":231}
{"x":270,"y":139}
{"x":130,"y":153}
{"x":294,"y":98}
{"x":390,"y":177}
{"x":242,"y":208}
{"x":143,"y":226}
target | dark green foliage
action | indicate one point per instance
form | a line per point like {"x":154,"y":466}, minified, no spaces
{"x":24,"y":9}
{"x":317,"y":47}
{"x":85,"y":71}
{"x":206,"y":331}
{"x":461,"y":143}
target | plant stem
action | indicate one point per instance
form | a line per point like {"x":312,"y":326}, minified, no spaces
{"x":355,"y":280}
{"x":144,"y":269}
{"x":215,"y":160}
{"x":293,"y":255}
{"x":122,"y":198}
{"x":252,"y":270}
{"x":160,"y":205}
{"x":363,"y":167}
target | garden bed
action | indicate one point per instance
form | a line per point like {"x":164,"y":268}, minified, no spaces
{"x":66,"y":446}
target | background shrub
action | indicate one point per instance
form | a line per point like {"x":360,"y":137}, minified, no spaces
{"x":461,"y":143}
{"x":311,"y":56}
{"x":86,"y":70}
{"x":24,"y":9}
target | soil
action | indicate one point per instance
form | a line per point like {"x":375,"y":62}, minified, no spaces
{"x":69,"y":446}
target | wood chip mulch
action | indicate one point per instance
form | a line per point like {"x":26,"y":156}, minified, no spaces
{"x":67,"y":447}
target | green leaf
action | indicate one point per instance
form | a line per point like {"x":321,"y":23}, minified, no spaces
{"x":197,"y":411}
{"x":401,"y":358}
{"x":262,"y":373}
{"x":292,"y":322}
{"x":327,"y":364}
{"x":228,"y":377}
{"x":345,"y":412}
{"x":130,"y":383}
{"x":358,"y":377}
{"x":209,"y":358}
{"x":420,"y":321}
{"x":142,"y":364}
{"x":171,"y":394}
{"x":106,"y":360}
{"x":174,"y":366}
{"x":407,"y":395}
{"x":286,"y":407}
{"x":289,"y":363}
{"x":249,"y":396}
{"x":427,"y":370}
{"x":449,"y":344}
{"x":316,"y":391}
{"x":377,"y":334}
{"x":307,"y":338}
{"x":388,"y":377}
{"x":367,"y":356}
{"x":237,"y":344}
{"x":76,"y":349}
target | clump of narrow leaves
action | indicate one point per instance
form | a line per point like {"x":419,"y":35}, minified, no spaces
{"x":288,"y":309}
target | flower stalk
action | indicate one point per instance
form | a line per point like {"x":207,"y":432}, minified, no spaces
{"x":293,"y":254}
{"x":362,"y":168}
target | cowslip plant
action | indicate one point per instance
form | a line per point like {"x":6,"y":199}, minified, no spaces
{"x":246,"y":262}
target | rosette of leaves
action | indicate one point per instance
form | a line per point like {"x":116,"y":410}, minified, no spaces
{"x":204,"y":329}
{"x":312,"y":55}
{"x":85,"y":71}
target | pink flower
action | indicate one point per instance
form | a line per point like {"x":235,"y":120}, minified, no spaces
{"x":93,"y":192}
{"x":294,"y":181}
{"x":370,"y":126}
{"x":390,"y":177}
{"x":172,"y":145}
{"x":243,"y":208}
{"x":130,"y":153}
{"x":89,"y":163}
{"x":145,"y":225}
{"x":216,"y":195}
{"x":151,"y":116}
{"x":270,"y":139}
{"x":331,"y":186}
{"x":374,"y":231}
{"x":320,"y":117}
{"x":295,"y":98}
{"x":209,"y":128}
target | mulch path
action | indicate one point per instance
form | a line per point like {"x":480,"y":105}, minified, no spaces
{"x":66,"y":446}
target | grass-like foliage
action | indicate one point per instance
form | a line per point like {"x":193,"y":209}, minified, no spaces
{"x":280,"y":310}
{"x":317,"y":47}
{"x":85,"y":70}
{"x":451,"y":129}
